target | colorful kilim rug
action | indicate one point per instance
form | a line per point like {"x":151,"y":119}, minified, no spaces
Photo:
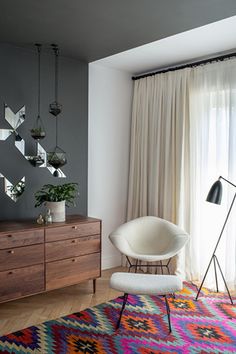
{"x":205,"y":326}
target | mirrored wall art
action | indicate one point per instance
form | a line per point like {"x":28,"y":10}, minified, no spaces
{"x":14,"y":119}
{"x":13,"y":191}
{"x":40,"y":159}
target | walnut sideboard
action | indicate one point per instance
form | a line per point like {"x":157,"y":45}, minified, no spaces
{"x":37,"y":258}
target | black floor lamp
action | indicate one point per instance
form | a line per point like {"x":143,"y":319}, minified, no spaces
{"x":214,"y":196}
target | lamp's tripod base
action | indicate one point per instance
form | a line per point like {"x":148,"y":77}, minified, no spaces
{"x":214,"y":259}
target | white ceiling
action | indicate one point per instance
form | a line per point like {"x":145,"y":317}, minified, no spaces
{"x":181,"y":48}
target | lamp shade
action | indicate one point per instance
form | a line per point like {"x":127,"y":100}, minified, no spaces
{"x":215,"y":193}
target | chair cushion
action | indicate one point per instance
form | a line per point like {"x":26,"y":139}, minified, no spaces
{"x":145,"y":284}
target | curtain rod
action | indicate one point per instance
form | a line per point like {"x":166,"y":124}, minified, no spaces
{"x":189,"y":65}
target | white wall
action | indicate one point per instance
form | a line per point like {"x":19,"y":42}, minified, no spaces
{"x":110,"y":97}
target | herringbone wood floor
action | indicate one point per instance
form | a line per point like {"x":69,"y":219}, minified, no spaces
{"x":19,"y":314}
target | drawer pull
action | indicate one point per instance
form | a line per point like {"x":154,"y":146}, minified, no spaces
{"x":73,"y":260}
{"x":73,"y":241}
{"x":10,"y":273}
{"x":11,"y":252}
{"x":9,"y":236}
{"x":75,"y":227}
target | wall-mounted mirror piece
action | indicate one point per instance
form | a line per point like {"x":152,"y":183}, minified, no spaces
{"x":20,"y":145}
{"x":5,"y":133}
{"x":14,"y":119}
{"x":13,"y":191}
{"x":39,"y":159}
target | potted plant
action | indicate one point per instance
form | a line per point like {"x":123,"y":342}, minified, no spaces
{"x":38,"y":133}
{"x":56,"y":198}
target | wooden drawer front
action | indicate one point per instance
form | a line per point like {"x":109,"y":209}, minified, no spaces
{"x":71,"y":271}
{"x":18,"y":239}
{"x":72,"y":248}
{"x":21,"y":282}
{"x":72,"y":231}
{"x":21,"y":257}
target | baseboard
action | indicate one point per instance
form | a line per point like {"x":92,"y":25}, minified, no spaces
{"x":111,"y":261}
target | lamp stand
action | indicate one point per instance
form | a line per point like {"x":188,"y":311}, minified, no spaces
{"x":215,"y":259}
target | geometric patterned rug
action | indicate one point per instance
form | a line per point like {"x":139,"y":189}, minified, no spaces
{"x":204,"y":326}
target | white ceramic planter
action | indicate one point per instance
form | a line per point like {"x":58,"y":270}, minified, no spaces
{"x":58,"y":210}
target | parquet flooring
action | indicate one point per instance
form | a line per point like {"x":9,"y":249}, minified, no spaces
{"x":32,"y":310}
{"x":19,"y":314}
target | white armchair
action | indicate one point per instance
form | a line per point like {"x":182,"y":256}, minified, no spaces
{"x":149,"y":239}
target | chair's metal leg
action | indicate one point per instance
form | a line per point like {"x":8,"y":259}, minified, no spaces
{"x":136,"y":266}
{"x":167,"y":266}
{"x":161,"y":267}
{"x":214,"y":259}
{"x":168,"y":312}
{"x":125,"y":297}
{"x":130,"y":265}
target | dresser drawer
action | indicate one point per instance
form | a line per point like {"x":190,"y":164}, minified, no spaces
{"x":21,"y":257}
{"x":72,"y":271}
{"x":72,"y":231}
{"x":24,"y":238}
{"x":71,"y":248}
{"x":21,"y":282}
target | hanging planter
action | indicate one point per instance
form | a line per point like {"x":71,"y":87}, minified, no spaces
{"x":56,"y":158}
{"x":55,"y":107}
{"x":38,"y":131}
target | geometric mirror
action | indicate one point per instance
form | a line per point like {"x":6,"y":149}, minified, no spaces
{"x":14,"y":191}
{"x":15,"y":120}
{"x":40,"y":159}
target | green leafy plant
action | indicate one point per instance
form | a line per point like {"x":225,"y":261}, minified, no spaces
{"x":37,"y":133}
{"x":51,"y":193}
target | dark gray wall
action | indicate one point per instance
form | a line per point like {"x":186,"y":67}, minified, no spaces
{"x":18,"y":87}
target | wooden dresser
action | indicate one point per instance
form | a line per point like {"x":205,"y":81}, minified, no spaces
{"x":37,"y":258}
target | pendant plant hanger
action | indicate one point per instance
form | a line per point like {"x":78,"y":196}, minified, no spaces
{"x":55,"y":108}
{"x":38,"y":132}
{"x":56,"y":158}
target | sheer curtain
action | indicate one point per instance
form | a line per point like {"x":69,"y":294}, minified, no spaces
{"x":212,"y":153}
{"x":183,"y":137}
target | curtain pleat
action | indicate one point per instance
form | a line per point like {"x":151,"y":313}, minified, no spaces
{"x":182,"y":139}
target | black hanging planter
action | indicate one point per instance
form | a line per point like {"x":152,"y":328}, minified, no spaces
{"x":55,"y":107}
{"x":38,"y":131}
{"x":56,"y":158}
